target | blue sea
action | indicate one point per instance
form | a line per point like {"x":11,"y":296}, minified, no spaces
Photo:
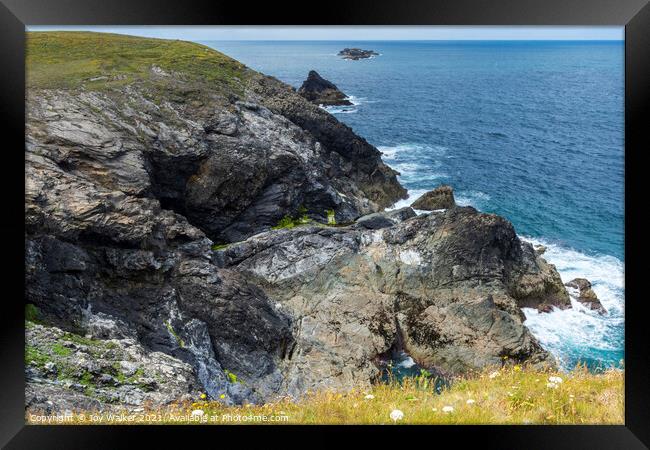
{"x":530,"y":130}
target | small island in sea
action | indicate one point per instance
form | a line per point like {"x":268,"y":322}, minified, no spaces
{"x":319,"y":91}
{"x":357,"y":53}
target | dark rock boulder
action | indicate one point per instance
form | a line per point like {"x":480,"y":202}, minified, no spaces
{"x":586,"y":294}
{"x":376,"y":221}
{"x":441,"y":197}
{"x":319,"y":91}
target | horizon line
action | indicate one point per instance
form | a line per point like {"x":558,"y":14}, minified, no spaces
{"x":358,"y":34}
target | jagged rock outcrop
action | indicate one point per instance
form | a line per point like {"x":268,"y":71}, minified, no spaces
{"x":128,"y":187}
{"x":586,"y":294}
{"x":357,"y":53}
{"x":319,"y":91}
{"x":441,"y":197}
{"x":445,"y":286}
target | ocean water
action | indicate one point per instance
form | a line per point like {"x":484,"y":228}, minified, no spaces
{"x":532,"y":130}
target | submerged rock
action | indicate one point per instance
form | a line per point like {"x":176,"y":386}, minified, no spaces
{"x":441,"y":197}
{"x":357,"y":53}
{"x":540,"y":249}
{"x":319,"y":91}
{"x":586,"y":294}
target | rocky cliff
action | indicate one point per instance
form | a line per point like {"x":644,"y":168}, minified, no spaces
{"x":153,"y":182}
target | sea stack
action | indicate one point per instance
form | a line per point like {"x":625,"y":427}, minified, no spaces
{"x":357,"y":53}
{"x":441,"y":197}
{"x":319,"y":91}
{"x":586,"y":294}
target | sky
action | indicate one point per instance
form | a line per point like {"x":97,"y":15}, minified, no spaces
{"x":357,"y":33}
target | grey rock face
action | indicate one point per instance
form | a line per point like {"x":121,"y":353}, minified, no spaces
{"x":445,"y":286}
{"x":251,"y":164}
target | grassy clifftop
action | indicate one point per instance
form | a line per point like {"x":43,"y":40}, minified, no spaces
{"x":513,"y":396}
{"x":68,"y":60}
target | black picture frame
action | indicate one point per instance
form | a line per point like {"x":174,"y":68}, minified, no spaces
{"x":16,"y":14}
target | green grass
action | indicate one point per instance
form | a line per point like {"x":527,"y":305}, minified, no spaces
{"x":511,"y":395}
{"x":60,"y":350}
{"x":220,"y":246}
{"x":293,"y":221}
{"x":34,"y":356}
{"x":331,"y":219}
{"x":67,"y":60}
{"x":231,"y":376}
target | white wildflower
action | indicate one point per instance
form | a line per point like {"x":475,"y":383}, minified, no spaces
{"x":551,"y":385}
{"x":494,"y":375}
{"x":556,"y":380}
{"x":470,"y":401}
{"x":396,"y":415}
{"x":369,"y":397}
{"x":447,"y":409}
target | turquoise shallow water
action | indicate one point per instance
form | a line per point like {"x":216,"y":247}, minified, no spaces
{"x":533,"y":131}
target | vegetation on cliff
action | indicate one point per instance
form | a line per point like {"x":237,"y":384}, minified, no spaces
{"x":510,"y":395}
{"x":70,"y":59}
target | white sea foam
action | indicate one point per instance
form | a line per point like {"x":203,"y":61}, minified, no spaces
{"x":349,"y":109}
{"x":472,"y":198}
{"x":405,"y":361}
{"x":340,"y":109}
{"x":392,"y":152}
{"x":579,"y":332}
{"x":570,"y":335}
{"x":413,"y":195}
